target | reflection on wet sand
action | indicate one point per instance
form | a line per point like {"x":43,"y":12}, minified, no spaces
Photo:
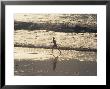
{"x":59,"y":68}
{"x":55,"y":62}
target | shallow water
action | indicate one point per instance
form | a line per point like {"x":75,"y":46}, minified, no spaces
{"x":22,"y":53}
{"x":44,"y":38}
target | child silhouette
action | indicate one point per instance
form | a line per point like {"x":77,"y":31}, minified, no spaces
{"x":55,"y":45}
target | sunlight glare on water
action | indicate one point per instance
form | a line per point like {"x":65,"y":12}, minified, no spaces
{"x":46,"y":54}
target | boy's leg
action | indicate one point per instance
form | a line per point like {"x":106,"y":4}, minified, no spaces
{"x":52,"y":48}
{"x":59,"y":50}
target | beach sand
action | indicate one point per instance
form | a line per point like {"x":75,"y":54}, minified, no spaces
{"x":63,"y":68}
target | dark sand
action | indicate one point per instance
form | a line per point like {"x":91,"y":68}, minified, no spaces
{"x":63,"y":68}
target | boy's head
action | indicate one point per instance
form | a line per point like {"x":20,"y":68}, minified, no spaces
{"x":53,"y":37}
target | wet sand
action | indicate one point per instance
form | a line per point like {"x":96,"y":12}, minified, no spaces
{"x":41,"y":62}
{"x":63,"y":68}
